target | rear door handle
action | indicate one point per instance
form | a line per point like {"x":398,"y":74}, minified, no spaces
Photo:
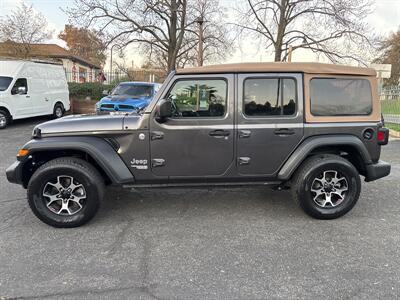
{"x":219,"y":133}
{"x":284,"y":131}
{"x":244,"y":134}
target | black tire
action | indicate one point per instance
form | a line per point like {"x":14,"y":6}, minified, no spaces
{"x":83,"y":173}
{"x":4,"y":118}
{"x":307,"y":176}
{"x":58,"y":111}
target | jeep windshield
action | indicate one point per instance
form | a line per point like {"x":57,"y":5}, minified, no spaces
{"x":4,"y":83}
{"x":135,"y":91}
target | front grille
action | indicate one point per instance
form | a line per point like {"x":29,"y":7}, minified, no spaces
{"x":107,"y":106}
{"x":122,"y":106}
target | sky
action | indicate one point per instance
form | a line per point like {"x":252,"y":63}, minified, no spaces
{"x":384,"y":19}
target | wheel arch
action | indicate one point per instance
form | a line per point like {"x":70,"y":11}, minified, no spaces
{"x":58,"y":101}
{"x":347,"y":146}
{"x":2,"y":107}
{"x":95,"y":150}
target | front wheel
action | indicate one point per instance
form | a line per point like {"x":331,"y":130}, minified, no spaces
{"x":326,"y":186}
{"x":4,"y":119}
{"x":65,"y":192}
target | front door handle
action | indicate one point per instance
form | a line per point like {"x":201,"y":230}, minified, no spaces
{"x":284,"y":131}
{"x":157,"y":162}
{"x":219,"y":133}
{"x":157,"y":135}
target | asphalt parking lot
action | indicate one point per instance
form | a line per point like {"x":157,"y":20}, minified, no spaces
{"x":241,"y":243}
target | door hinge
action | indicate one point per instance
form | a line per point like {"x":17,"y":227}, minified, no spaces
{"x":244,"y":160}
{"x":157,"y":162}
{"x":157,"y":135}
{"x":244,"y":134}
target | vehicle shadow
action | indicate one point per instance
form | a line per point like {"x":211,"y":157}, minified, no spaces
{"x":28,"y":122}
{"x":224,"y":202}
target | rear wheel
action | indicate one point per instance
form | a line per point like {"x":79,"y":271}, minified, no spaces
{"x":58,"y":111}
{"x":65,"y":192}
{"x":326,"y":186}
{"x":4,"y":119}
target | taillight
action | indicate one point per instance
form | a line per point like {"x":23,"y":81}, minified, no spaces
{"x":382,"y":136}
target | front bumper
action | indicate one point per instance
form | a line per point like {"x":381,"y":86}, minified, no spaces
{"x":377,"y":170}
{"x":14,"y":173}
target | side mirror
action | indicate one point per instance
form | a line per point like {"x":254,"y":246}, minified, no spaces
{"x":106,"y":93}
{"x":21,"y":90}
{"x":164,"y":109}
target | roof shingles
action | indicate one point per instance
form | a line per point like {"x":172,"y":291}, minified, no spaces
{"x":8,"y":49}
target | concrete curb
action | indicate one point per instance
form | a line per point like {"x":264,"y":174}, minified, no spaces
{"x":394,"y":133}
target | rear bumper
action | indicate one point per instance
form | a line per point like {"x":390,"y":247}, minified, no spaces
{"x":14,"y":173}
{"x":376,"y":171}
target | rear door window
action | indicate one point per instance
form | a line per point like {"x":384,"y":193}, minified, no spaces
{"x":269,"y":97}
{"x":340,"y":97}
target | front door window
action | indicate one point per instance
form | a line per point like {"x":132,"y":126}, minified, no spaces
{"x":20,"y":87}
{"x":199,"y":98}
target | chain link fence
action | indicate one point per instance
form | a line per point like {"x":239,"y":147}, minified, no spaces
{"x":390,"y":104}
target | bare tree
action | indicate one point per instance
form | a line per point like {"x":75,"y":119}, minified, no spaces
{"x":121,"y":66}
{"x":23,"y":27}
{"x":390,"y":54}
{"x":334,"y":28}
{"x":215,"y":36}
{"x":158,"y":24}
{"x":166,"y":30}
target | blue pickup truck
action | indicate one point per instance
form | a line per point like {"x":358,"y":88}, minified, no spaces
{"x":128,"y":96}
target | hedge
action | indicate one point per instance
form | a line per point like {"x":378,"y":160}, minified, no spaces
{"x":94,"y":90}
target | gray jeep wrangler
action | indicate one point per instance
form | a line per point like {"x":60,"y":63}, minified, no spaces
{"x":312,"y":127}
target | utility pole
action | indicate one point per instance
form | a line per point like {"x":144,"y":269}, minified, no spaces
{"x":200,"y":21}
{"x":290,"y":53}
{"x":111,"y":59}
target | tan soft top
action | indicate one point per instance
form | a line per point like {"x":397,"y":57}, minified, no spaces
{"x":294,"y":67}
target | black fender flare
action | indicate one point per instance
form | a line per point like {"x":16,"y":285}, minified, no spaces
{"x":99,"y":149}
{"x":309,"y":144}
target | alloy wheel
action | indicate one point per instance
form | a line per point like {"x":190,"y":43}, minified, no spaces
{"x":329,"y":189}
{"x":64,"y":196}
{"x":3,"y":120}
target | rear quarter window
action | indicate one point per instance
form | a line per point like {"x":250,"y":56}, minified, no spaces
{"x":340,"y":97}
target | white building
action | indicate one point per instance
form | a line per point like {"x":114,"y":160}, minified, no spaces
{"x":77,"y":69}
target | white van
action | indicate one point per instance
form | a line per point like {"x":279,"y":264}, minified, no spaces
{"x":29,"y":88}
